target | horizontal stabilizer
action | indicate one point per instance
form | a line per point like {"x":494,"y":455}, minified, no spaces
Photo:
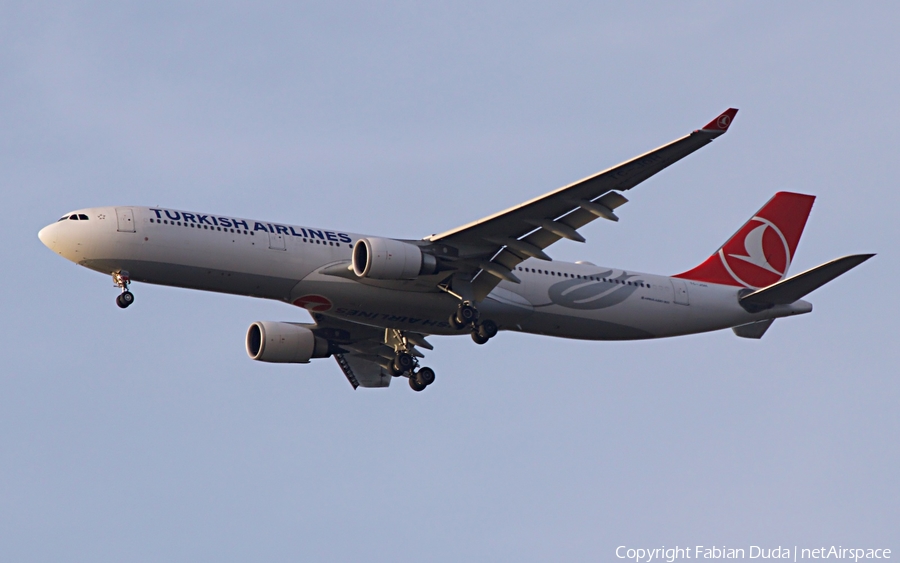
{"x":790,"y":290}
{"x":753,"y":330}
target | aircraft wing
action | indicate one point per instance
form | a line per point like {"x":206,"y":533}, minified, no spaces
{"x":361,"y":350}
{"x":492,"y":247}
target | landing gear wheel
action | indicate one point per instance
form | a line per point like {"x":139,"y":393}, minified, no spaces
{"x":487,"y":329}
{"x":404,"y":362}
{"x":415,"y":385}
{"x":121,"y":279}
{"x":425,"y":376}
{"x":467,"y":314}
{"x":125,"y":299}
{"x":455,"y":323}
{"x":478,"y":338}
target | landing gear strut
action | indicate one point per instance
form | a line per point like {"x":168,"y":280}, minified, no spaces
{"x":466,"y":315}
{"x":121,"y":280}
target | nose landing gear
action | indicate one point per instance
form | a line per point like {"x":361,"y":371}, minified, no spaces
{"x":121,"y":280}
{"x":125,"y":299}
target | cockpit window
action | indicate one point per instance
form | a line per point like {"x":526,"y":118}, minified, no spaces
{"x":63,"y":218}
{"x":73,"y":217}
{"x":82,"y":217}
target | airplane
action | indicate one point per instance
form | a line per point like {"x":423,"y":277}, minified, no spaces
{"x":374,"y":300}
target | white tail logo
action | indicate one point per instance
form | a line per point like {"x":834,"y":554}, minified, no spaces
{"x":756,"y":253}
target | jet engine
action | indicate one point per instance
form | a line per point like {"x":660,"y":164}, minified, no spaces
{"x":389,"y":259}
{"x":284,"y":343}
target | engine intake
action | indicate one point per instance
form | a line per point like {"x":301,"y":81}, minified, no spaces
{"x":284,"y":343}
{"x":389,"y":259}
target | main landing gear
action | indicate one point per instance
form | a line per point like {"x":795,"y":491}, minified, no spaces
{"x":405,"y":363}
{"x":121,"y":280}
{"x":421,"y":379}
{"x":466,"y":315}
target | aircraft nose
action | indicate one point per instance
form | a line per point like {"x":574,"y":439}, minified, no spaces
{"x":47,"y":236}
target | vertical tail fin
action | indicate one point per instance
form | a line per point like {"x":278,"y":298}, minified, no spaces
{"x":760,"y":253}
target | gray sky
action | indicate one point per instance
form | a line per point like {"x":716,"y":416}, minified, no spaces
{"x":148,"y":435}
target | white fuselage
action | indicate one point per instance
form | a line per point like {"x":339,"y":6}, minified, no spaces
{"x":286,"y":262}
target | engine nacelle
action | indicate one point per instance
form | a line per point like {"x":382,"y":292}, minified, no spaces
{"x":284,"y":343}
{"x":389,"y":259}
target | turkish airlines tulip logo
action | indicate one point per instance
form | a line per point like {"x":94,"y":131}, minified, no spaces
{"x":315,"y":303}
{"x":758,"y":256}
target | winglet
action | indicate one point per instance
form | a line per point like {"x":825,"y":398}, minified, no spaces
{"x":721,"y":123}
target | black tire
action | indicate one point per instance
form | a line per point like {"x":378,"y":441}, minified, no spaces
{"x":425,"y":376}
{"x":455,"y":323}
{"x":487,"y":329}
{"x":466,"y":314}
{"x":404,"y":362}
{"x":127,"y":298}
{"x":415,"y":385}
{"x":120,"y":303}
{"x":478,"y":338}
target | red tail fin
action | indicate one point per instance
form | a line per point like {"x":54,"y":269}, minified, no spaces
{"x":760,"y":253}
